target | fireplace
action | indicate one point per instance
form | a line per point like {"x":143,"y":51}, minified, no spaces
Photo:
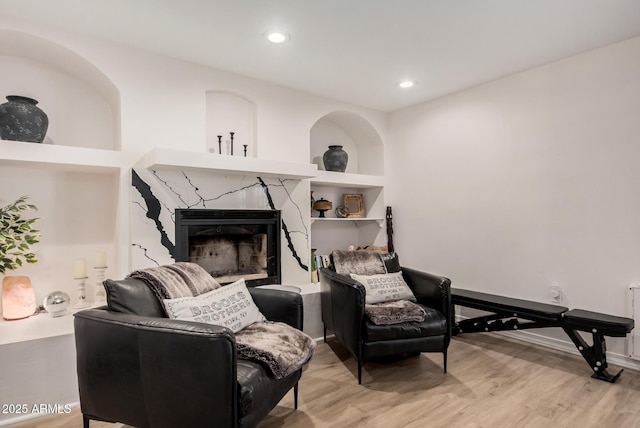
{"x":231,"y":244}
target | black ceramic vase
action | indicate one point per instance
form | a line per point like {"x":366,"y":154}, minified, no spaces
{"x":335,"y":159}
{"x":22,"y":120}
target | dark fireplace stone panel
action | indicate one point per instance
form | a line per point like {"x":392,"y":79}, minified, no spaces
{"x":231,"y":256}
{"x":231,"y":244}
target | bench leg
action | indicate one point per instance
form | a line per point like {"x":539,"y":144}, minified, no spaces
{"x":595,"y":355}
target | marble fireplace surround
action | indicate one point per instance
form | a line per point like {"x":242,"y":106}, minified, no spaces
{"x":156,"y":193}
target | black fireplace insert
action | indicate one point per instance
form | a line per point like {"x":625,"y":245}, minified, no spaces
{"x":231,"y":244}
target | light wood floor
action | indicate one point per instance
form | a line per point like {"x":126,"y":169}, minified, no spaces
{"x":493,"y":382}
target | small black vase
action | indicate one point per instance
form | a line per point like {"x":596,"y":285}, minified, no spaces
{"x":335,"y":159}
{"x":22,"y":120}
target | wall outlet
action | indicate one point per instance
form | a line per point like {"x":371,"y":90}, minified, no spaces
{"x":555,"y":293}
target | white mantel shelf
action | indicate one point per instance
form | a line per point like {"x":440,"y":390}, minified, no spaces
{"x":161,"y":158}
{"x":60,"y":157}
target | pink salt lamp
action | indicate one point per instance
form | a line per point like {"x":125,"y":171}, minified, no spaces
{"x":18,"y":298}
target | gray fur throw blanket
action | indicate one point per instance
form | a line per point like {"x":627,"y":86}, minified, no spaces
{"x":359,"y":262}
{"x":282,"y":348}
{"x":180,"y":279}
{"x":395,"y":312}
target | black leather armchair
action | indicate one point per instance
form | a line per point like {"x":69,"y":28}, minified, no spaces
{"x":137,"y":367}
{"x":343,"y":313}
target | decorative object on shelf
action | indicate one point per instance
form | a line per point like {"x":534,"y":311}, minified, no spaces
{"x":56,"y":303}
{"x":245,"y":149}
{"x":80,"y":276}
{"x":100,"y":268}
{"x":354,"y":204}
{"x":342,"y":212}
{"x":314,"y":266}
{"x":313,"y":200}
{"x":231,"y":133}
{"x":22,"y":120}
{"x":335,"y":159}
{"x":18,"y":298}
{"x":389,"y":230}
{"x":220,"y":144}
{"x":322,"y":206}
{"x":16,"y":237}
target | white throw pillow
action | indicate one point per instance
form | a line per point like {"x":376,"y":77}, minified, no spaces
{"x":229,"y":306}
{"x":386,"y":287}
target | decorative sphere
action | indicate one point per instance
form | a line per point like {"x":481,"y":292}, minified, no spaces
{"x":56,"y":303}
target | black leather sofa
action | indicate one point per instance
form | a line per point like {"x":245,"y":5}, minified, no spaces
{"x":137,"y":367}
{"x":343,"y":313}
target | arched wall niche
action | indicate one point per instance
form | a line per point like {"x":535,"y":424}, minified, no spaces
{"x":82,"y":103}
{"x":230,"y":112}
{"x":358,"y":138}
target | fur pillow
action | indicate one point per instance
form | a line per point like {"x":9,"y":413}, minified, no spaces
{"x":359,"y":262}
{"x":229,"y":306}
{"x":385,"y":287}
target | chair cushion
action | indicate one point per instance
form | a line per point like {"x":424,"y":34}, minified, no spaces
{"x":258,"y":391}
{"x":132,"y":296}
{"x":434,"y":324}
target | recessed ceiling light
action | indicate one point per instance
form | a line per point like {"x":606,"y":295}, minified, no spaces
{"x":277,"y":37}
{"x":406,"y":84}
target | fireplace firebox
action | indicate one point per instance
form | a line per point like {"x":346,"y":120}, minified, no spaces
{"x":231,"y":244}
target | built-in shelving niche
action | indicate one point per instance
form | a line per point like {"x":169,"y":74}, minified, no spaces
{"x":364,"y":175}
{"x":227,"y":112}
{"x":74,"y":177}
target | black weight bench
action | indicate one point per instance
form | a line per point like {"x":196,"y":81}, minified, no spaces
{"x":507,"y":313}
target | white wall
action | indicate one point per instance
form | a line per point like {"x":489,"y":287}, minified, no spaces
{"x":158,"y":102}
{"x":527,"y":181}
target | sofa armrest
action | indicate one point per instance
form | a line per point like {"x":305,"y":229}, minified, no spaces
{"x":279,"y":305}
{"x":126,"y":361}
{"x":431,"y":290}
{"x":343,"y":301}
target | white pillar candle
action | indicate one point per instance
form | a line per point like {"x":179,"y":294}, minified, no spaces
{"x":80,"y":268}
{"x":101,"y":259}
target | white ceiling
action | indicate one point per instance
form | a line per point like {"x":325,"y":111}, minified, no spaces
{"x":352,"y":50}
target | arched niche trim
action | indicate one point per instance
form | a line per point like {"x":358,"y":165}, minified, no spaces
{"x":358,"y":137}
{"x":228,"y":112}
{"x":64,"y":80}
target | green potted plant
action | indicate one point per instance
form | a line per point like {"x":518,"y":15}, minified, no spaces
{"x":17,"y":235}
